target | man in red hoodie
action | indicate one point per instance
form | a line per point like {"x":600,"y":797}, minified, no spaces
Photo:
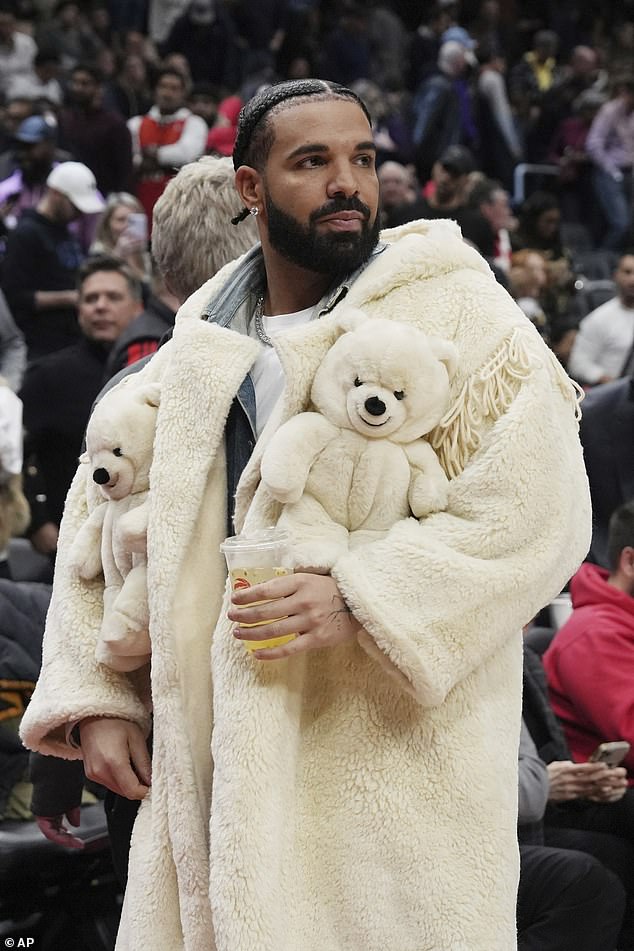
{"x":590,"y":661}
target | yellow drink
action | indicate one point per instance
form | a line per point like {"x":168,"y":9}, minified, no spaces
{"x":246,"y":578}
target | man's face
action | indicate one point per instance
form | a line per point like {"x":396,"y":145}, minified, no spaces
{"x":82,"y":88}
{"x":497,"y":211}
{"x":106,"y":306}
{"x":624,"y":277}
{"x":449,"y":184}
{"x":320,"y":187}
{"x":35,"y":159}
{"x":16,"y":112}
{"x":395,"y":186}
{"x":169,"y":94}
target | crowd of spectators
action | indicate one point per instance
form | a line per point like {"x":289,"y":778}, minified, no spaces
{"x":515,"y":119}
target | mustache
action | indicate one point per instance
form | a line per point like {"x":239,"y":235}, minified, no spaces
{"x":341,"y":204}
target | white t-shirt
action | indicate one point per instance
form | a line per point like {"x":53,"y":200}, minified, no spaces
{"x":604,"y":340}
{"x":266,"y":372}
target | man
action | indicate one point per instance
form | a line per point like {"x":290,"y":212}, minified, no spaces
{"x":59,"y":390}
{"x":610,"y":145}
{"x":355,"y":772}
{"x":17,"y":49}
{"x":396,"y":190}
{"x":588,"y":661}
{"x":39,"y":270}
{"x":26,"y":167}
{"x":43,"y":83}
{"x":96,"y":136}
{"x":487,"y":222}
{"x":445,"y":195}
{"x":164,"y":139}
{"x":440,"y":103}
{"x":606,"y":335}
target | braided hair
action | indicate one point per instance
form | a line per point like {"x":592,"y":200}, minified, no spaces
{"x":254,"y":137}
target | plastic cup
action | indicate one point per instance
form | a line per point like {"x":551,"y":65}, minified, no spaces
{"x":252,"y":559}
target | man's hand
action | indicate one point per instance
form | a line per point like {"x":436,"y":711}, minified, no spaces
{"x":308,"y":605}
{"x":116,"y":755}
{"x":594,"y":781}
{"x":54,"y":829}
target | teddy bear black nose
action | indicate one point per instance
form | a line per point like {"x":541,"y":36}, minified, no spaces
{"x":375,"y":406}
{"x":101,"y":476}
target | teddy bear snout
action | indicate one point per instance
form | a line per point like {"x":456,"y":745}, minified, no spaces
{"x":375,"y":406}
{"x":101,"y":476}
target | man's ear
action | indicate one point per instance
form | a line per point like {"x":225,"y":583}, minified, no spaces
{"x":249,"y":186}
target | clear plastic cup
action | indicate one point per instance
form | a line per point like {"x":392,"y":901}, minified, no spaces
{"x":252,"y":559}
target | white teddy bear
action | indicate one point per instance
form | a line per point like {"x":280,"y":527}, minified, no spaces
{"x":113,"y":540}
{"x":349,"y":471}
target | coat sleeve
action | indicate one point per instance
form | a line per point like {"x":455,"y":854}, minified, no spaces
{"x":437,"y":596}
{"x":72,"y":685}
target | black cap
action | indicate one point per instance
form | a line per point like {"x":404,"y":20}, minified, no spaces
{"x":457,"y":159}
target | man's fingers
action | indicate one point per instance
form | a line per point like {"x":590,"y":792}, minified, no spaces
{"x":55,"y":832}
{"x":74,"y":816}
{"x":140,"y":758}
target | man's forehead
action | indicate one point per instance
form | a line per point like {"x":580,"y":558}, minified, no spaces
{"x":301,"y":121}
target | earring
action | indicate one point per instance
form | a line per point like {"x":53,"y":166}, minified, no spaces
{"x":254,"y":211}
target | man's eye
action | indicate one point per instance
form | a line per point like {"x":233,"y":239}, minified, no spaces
{"x":399,"y":394}
{"x":311,"y":161}
{"x":357,"y":382}
{"x":365,"y":160}
{"x":117,"y":452}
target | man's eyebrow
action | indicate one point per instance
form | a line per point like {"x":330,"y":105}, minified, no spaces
{"x":312,"y":147}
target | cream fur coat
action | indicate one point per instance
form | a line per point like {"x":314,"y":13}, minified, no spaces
{"x":362,"y":798}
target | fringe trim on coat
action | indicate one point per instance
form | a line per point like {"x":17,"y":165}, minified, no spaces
{"x":486,"y":395}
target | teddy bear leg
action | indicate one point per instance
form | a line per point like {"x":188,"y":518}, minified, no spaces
{"x":317,"y":541}
{"x":125,"y":629}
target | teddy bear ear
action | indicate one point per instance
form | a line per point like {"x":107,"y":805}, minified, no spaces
{"x":151,"y":394}
{"x":445,"y":351}
{"x":84,"y":458}
{"x":351,"y":319}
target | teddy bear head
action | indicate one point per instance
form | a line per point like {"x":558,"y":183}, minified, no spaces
{"x":120,"y":438}
{"x":384,"y":379}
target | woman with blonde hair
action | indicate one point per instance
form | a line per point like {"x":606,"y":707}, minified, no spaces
{"x":122,"y":232}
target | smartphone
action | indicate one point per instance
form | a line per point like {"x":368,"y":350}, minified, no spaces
{"x":136,"y":227}
{"x":610,"y":753}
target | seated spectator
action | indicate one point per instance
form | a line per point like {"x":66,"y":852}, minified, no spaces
{"x":59,"y":390}
{"x":11,"y":117}
{"x":588,"y":662}
{"x":528,"y":280}
{"x":610,"y":144}
{"x":203,"y":101}
{"x":606,"y":335}
{"x":567,"y":900}
{"x":119,"y":236}
{"x":129,"y":94}
{"x":390,"y":130}
{"x":222,"y":135}
{"x":205,"y":34}
{"x":39,"y":270}
{"x":164,"y":139}
{"x":445,"y":194}
{"x":70,"y":35}
{"x":395,"y":190}
{"x":488,"y":221}
{"x":14,"y":509}
{"x":539,"y":228}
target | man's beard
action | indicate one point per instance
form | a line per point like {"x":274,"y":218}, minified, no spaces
{"x":335,"y":253}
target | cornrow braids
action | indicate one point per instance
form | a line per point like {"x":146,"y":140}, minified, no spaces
{"x":254,"y":137}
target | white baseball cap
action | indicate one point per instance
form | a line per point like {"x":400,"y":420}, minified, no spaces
{"x":78,"y":183}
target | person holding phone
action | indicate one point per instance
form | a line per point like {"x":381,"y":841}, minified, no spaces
{"x":122,"y":232}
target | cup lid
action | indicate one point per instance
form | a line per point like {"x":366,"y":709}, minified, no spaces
{"x":263,"y":539}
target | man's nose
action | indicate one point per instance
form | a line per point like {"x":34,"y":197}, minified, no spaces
{"x":343,"y":181}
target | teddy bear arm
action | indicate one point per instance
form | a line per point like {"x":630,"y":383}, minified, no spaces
{"x":429,"y":486}
{"x":291,"y":453}
{"x":133,"y":528}
{"x":86,"y":554}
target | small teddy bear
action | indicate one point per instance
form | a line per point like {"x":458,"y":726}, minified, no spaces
{"x":349,"y":471}
{"x":113,"y":540}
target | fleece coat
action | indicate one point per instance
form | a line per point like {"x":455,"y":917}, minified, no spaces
{"x":362,"y":797}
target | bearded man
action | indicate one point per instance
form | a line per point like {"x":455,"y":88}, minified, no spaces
{"x":355,"y":788}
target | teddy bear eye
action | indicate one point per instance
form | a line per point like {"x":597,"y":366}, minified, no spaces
{"x":399,"y":394}
{"x":117,"y":452}
{"x":357,"y":382}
